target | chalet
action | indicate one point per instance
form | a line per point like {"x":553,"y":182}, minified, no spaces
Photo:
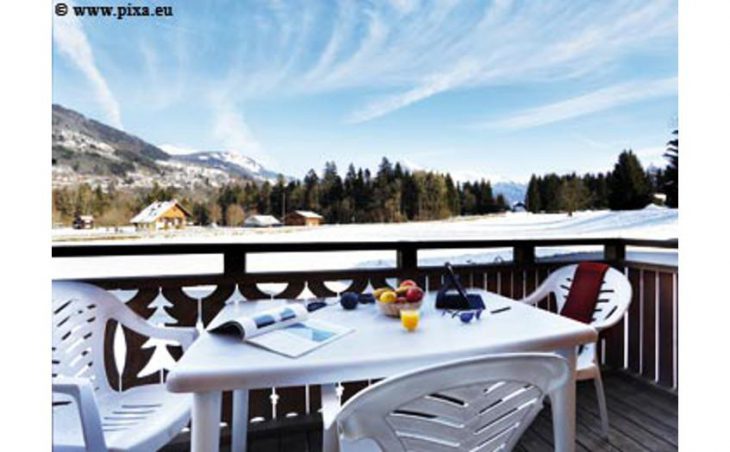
{"x":519,"y":206}
{"x":162,"y":215}
{"x":660,"y":199}
{"x":261,"y":221}
{"x":83,"y":222}
{"x":303,"y":218}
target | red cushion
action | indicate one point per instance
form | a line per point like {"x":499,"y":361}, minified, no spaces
{"x":584,"y":291}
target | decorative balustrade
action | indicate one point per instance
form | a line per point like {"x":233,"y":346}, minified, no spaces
{"x":645,"y":343}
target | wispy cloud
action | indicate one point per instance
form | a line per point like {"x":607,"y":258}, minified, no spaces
{"x":69,"y":36}
{"x":600,"y":100}
{"x":420,"y":53}
{"x":359,"y":61}
{"x":433,"y":86}
{"x":233,"y":133}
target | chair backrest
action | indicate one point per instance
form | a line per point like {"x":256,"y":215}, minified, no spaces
{"x":483,"y":403}
{"x":80,"y":315}
{"x":613,"y":300}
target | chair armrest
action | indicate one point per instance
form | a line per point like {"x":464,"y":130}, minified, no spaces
{"x":539,"y":294}
{"x":183,"y":335}
{"x":82,"y":392}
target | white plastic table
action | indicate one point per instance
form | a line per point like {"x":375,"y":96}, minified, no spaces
{"x":378,"y":348}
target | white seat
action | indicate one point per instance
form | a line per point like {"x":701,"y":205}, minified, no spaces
{"x":87,"y":413}
{"x":613,"y":301}
{"x":482,"y":403}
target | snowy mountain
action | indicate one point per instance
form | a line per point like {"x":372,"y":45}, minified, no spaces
{"x":230,"y":162}
{"x":88,"y":151}
{"x":512,"y":191}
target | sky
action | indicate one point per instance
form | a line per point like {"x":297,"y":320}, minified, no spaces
{"x":495,"y":89}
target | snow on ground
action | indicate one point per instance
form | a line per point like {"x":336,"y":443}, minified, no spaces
{"x":649,"y":223}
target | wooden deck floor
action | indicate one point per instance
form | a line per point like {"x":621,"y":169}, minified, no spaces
{"x":642,"y":418}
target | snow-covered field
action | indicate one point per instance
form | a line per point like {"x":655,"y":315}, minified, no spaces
{"x":649,"y":223}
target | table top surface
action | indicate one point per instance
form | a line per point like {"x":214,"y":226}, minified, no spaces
{"x":379,"y":347}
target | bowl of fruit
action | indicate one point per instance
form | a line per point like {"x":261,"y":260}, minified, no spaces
{"x":407,"y":296}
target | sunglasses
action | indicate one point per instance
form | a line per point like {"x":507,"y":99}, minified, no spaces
{"x":465,"y":316}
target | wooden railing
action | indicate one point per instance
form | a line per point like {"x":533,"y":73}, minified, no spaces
{"x":645,"y":343}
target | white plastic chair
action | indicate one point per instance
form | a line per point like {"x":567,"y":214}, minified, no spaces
{"x":613,"y":301}
{"x":483,"y":403}
{"x":87,"y":413}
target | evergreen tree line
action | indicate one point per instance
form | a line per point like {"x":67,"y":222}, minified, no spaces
{"x":627,"y":187}
{"x":392,"y":194}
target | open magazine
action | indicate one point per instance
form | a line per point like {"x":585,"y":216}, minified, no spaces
{"x":287,"y":330}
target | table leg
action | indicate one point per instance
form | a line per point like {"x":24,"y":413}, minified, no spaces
{"x":240,"y":420}
{"x":330,"y":408}
{"x":563,"y":407}
{"x":206,"y":417}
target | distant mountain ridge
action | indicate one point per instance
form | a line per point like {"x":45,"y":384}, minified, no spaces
{"x":512,"y":191}
{"x":86,"y":150}
{"x":230,"y":162}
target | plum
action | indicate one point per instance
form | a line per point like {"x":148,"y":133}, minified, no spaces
{"x":349,"y":300}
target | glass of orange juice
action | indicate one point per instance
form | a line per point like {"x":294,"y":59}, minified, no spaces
{"x":409,"y":318}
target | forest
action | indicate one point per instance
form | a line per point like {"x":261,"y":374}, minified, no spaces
{"x":627,"y":187}
{"x":391,"y":194}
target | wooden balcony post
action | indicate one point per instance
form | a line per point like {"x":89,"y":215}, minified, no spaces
{"x":523,"y":255}
{"x":614,"y":252}
{"x":407,"y":259}
{"x":234,"y":262}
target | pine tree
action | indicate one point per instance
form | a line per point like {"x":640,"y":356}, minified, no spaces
{"x":452,"y":197}
{"x":573,"y":195}
{"x":600,"y":192}
{"x":629,"y":186}
{"x":469,"y":199}
{"x":549,"y":198}
{"x":533,"y":195}
{"x":311,"y":191}
{"x":409,"y":196}
{"x":489,"y":204}
{"x":501,"y":203}
{"x":277,"y":198}
{"x":671,"y":174}
{"x":200,"y":214}
{"x":331,"y":193}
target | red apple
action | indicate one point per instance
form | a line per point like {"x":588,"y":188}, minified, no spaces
{"x":414,"y":294}
{"x":408,"y":283}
